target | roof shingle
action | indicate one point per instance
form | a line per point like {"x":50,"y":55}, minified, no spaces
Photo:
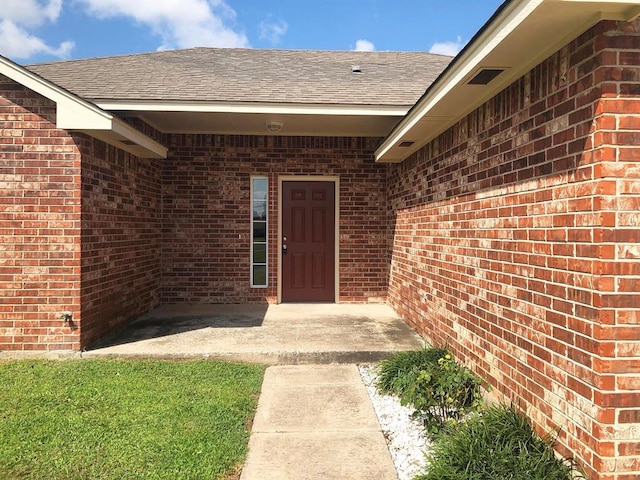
{"x":249,"y":75}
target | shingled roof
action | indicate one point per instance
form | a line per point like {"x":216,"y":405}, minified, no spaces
{"x":250,"y":75}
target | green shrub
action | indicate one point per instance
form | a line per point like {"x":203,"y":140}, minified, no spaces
{"x":444,"y":394}
{"x":398,"y":372}
{"x":441,"y":390}
{"x":498,"y":444}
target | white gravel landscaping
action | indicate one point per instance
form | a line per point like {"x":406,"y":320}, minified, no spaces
{"x":405,"y":435}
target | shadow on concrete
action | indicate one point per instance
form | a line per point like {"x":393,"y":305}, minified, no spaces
{"x":169,"y":320}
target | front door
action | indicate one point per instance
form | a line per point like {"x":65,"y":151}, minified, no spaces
{"x":308,"y":241}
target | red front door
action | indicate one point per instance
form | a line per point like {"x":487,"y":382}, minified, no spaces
{"x":308,"y":241}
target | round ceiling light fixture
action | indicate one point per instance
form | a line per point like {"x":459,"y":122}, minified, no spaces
{"x":274,"y":126}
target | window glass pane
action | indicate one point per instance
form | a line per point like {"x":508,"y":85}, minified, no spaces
{"x":260,"y":231}
{"x":260,"y":275}
{"x":259,"y":244}
{"x":259,"y":253}
{"x":259,"y":188}
{"x":260,"y":210}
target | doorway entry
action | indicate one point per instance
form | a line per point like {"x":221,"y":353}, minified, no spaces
{"x":308,"y":240}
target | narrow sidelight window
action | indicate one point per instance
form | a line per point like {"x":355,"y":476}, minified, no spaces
{"x":259,"y":231}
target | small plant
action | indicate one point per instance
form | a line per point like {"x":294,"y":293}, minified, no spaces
{"x":498,"y":444}
{"x":444,"y":394}
{"x":441,"y":390}
{"x":397,"y":373}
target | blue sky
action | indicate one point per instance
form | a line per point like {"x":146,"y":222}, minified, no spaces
{"x":48,"y":30}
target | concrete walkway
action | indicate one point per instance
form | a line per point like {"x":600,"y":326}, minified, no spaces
{"x":316,"y":422}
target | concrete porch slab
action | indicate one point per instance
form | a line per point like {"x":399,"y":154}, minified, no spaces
{"x":269,"y":334}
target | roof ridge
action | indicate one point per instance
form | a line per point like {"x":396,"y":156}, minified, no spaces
{"x":220,"y":49}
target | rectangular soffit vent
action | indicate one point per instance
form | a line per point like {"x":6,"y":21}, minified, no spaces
{"x":484,"y":76}
{"x":406,"y":144}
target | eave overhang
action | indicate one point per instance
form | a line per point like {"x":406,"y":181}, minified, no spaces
{"x":520,"y":35}
{"x":253,"y":118}
{"x":76,"y":114}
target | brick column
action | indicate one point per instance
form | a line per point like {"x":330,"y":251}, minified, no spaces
{"x":39,"y":225}
{"x":617,"y":175}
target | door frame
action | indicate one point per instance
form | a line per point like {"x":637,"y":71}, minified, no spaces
{"x":336,"y":255}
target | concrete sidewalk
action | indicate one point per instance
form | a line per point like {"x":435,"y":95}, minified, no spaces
{"x":316,"y":422}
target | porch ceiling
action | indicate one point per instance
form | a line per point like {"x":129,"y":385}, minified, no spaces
{"x":319,"y":122}
{"x":519,"y":36}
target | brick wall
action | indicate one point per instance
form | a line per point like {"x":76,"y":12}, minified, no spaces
{"x":517,"y":241}
{"x":121,"y":237}
{"x":206,"y":205}
{"x":617,"y":143}
{"x":39,"y":224}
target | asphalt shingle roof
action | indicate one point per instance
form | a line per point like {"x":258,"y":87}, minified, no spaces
{"x":251,"y":75}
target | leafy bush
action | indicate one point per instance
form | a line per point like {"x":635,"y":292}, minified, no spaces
{"x":398,"y":372}
{"x":444,"y":394}
{"x":441,"y":390}
{"x":498,"y":444}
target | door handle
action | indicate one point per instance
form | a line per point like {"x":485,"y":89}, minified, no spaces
{"x":284,"y":245}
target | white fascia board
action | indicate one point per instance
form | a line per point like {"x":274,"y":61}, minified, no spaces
{"x":71,"y":116}
{"x":131,"y":134}
{"x":515,"y":14}
{"x":71,"y":109}
{"x":254,"y":108}
{"x":613,"y":2}
{"x":74,"y":113}
{"x":627,"y":14}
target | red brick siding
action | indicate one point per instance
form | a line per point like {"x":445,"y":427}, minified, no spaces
{"x":39,"y":224}
{"x":121,"y":237}
{"x":618,"y":146}
{"x":206,"y":213}
{"x":516,"y":241}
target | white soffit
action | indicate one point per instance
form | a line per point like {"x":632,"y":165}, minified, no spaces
{"x":74,"y":113}
{"x":521,"y":34}
{"x":257,"y":124}
{"x":252,"y":118}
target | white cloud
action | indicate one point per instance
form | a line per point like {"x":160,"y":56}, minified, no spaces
{"x":180,"y":23}
{"x":364,"y":46}
{"x":447,"y":48}
{"x":273,"y":30}
{"x":30,"y":12}
{"x":17,"y":17}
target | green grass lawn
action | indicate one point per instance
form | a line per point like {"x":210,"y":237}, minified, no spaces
{"x":95,"y":419}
